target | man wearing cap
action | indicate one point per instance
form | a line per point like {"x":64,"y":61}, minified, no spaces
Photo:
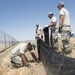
{"x":64,"y":28}
{"x":18,"y":57}
{"x":39,"y":31}
{"x":54,"y":30}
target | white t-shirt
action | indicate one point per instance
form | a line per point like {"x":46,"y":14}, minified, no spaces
{"x":53,"y":19}
{"x":21,"y":48}
{"x":64,"y":12}
{"x":39,"y":31}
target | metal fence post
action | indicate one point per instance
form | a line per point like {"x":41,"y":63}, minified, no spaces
{"x":5,"y":40}
{"x":9,"y":40}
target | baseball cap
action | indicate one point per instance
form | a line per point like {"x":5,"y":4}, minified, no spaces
{"x":60,"y":3}
{"x":36,"y":24}
{"x":33,"y":43}
{"x":50,"y":13}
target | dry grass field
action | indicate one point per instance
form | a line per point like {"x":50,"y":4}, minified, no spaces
{"x":36,"y":69}
{"x":72,"y":40}
{"x":6,"y":69}
{"x":3,"y":46}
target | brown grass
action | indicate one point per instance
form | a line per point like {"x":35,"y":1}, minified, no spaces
{"x":36,"y":69}
{"x":2,"y":46}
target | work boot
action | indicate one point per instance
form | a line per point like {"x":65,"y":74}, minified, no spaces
{"x":65,"y":51}
{"x":16,"y":65}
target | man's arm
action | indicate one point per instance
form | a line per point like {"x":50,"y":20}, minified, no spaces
{"x":52,"y":24}
{"x":33,"y":55}
{"x":23,"y":59}
{"x":61,"y":20}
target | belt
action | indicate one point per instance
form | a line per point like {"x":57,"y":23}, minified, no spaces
{"x":66,"y":25}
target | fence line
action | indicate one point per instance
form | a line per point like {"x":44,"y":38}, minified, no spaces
{"x":6,"y":41}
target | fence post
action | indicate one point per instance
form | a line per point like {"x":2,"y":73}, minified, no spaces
{"x":9,"y":41}
{"x":5,"y":40}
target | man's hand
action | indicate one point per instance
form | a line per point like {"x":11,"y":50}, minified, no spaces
{"x":38,"y":61}
{"x":33,"y":55}
{"x":52,"y":24}
{"x":28,"y":65}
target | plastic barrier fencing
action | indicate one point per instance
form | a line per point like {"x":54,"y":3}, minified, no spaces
{"x":46,"y":35}
{"x":54,"y":62}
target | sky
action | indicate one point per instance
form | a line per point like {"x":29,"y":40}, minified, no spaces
{"x":18,"y":17}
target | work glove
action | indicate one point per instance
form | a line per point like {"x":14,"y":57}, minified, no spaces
{"x":42,"y":36}
{"x":59,"y":30}
{"x":38,"y":61}
{"x":46,"y":26}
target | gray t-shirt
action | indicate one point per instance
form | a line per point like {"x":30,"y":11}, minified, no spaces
{"x":21,"y":48}
{"x":65,"y":12}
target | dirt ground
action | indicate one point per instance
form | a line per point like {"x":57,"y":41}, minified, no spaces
{"x":72,"y":41}
{"x":36,"y":69}
{"x":6,"y":68}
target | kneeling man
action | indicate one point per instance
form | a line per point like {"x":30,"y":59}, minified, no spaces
{"x":18,"y":57}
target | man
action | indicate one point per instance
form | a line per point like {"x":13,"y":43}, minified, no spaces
{"x":64,"y":27}
{"x":39,"y":31}
{"x":18,"y":57}
{"x":54,"y":31}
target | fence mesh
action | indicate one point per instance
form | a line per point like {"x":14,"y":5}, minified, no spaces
{"x":54,"y":62}
{"x":6,"y":41}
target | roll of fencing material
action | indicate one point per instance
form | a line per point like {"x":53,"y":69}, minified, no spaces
{"x":51,"y":40}
{"x":54,"y":62}
{"x":46,"y":34}
{"x":38,"y":48}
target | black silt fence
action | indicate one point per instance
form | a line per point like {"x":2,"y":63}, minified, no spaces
{"x":54,"y":62}
{"x":46,"y":35}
